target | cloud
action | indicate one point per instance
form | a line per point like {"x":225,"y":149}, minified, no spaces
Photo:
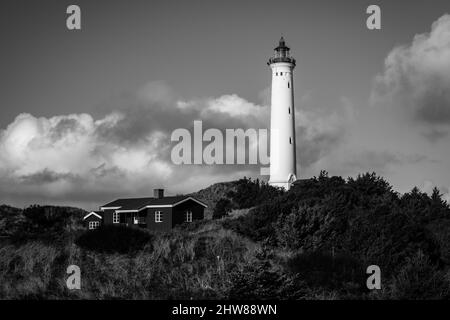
{"x":319,"y":132}
{"x":416,"y":78}
{"x":78,"y":160}
{"x":380,"y":161}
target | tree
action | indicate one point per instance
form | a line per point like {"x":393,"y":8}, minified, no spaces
{"x":222,"y":209}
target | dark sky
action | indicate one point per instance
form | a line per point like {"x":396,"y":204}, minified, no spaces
{"x":199,"y":50}
{"x":202,"y":48}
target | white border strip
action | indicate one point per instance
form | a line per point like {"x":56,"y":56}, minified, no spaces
{"x":92,"y":213}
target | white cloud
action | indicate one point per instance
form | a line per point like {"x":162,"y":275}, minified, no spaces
{"x":235,"y":106}
{"x":416,"y":78}
{"x":77,"y":159}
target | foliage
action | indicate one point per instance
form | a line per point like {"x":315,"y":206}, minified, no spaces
{"x":222,"y":208}
{"x":313,"y":242}
{"x":44,"y":223}
{"x":339,"y":272}
{"x":418,"y":279}
{"x":212,"y":194}
{"x":260,"y":281}
{"x":249,"y":193}
{"x":11,"y":220}
{"x":113,"y":239}
{"x":362,"y":217}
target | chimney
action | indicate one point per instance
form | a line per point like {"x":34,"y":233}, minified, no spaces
{"x":158,"y":193}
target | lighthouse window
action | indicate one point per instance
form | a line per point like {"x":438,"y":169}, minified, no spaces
{"x":281,"y":73}
{"x":288,"y":85}
{"x":289,"y":110}
{"x":277,"y":73}
{"x":290,"y":140}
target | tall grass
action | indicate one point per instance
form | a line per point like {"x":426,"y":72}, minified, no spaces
{"x":175,"y":265}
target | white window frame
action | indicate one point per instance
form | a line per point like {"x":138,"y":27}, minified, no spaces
{"x":116,"y":217}
{"x":158,"y":216}
{"x":188,"y":216}
{"x":94,"y":225}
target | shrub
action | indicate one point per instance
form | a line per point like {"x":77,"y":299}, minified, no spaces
{"x":363,"y":217}
{"x":249,"y":193}
{"x":114,"y":239}
{"x":49,"y":224}
{"x":222,"y":208}
{"x":340,"y":272}
{"x":262,"y":282}
{"x":419,"y":279}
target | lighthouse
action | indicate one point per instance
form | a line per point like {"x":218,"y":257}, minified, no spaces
{"x":283,"y":171}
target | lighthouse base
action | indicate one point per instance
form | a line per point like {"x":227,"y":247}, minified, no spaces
{"x":284,"y":185}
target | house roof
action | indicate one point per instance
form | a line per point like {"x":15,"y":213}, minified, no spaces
{"x":135,"y":204}
{"x":94,"y":213}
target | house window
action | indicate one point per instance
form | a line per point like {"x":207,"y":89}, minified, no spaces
{"x":141,"y":220}
{"x":116,"y":217}
{"x":277,"y":73}
{"x":93,"y":225}
{"x":158,"y":216}
{"x":188,"y":216}
{"x":134,"y":218}
{"x":281,"y":73}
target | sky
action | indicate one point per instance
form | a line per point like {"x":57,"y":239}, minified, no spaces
{"x":86,"y":116}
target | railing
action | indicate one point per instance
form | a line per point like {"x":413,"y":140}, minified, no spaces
{"x":282,"y":59}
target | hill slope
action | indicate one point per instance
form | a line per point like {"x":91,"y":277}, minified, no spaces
{"x":313,"y":242}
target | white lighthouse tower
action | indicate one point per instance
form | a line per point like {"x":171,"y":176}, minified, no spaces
{"x":283,"y":171}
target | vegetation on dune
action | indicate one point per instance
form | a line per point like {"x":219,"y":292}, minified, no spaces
{"x":313,"y":242}
{"x":222,"y":209}
{"x":114,"y":239}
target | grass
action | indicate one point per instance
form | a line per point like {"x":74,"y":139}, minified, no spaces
{"x":202,"y":260}
{"x":181,"y":265}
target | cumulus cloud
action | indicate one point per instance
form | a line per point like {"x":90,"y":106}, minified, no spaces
{"x":78,"y":160}
{"x":416,"y":78}
{"x":319,"y":131}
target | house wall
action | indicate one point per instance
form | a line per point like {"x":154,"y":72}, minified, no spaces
{"x":108,"y":217}
{"x":166,"y":223}
{"x":179,"y":212}
{"x":91,"y":218}
{"x":171,"y":216}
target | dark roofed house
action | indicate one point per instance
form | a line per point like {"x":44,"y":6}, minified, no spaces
{"x":93,"y":219}
{"x":156,"y":213}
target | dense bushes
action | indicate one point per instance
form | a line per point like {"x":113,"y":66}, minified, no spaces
{"x":361,"y":218}
{"x":249,"y":193}
{"x":42,"y":223}
{"x":11,"y":220}
{"x":51,"y":218}
{"x":339,"y":272}
{"x":222,"y":208}
{"x":313,"y":242}
{"x":260,"y":281}
{"x":418,"y":279}
{"x":114,"y":239}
